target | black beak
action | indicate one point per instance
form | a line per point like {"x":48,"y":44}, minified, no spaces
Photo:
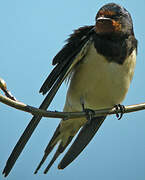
{"x":103,"y":19}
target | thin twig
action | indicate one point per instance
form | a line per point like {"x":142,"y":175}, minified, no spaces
{"x":66,"y":115}
{"x":3,"y":87}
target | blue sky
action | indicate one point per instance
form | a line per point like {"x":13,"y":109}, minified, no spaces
{"x":31,"y":33}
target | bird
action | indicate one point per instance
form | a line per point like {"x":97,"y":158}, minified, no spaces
{"x":98,"y":61}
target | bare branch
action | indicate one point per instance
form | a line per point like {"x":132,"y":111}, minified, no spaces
{"x":66,"y":115}
{"x":3,"y":87}
{"x":11,"y":101}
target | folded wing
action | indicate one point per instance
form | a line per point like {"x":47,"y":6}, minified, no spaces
{"x":72,"y":53}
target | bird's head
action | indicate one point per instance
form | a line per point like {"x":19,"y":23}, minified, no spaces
{"x":113,"y":19}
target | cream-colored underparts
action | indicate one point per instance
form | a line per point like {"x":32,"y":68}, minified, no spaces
{"x":98,"y":84}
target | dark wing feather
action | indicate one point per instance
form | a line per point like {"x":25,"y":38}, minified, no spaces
{"x":74,"y":42}
{"x":82,"y":140}
{"x":66,"y":56}
{"x":55,"y":79}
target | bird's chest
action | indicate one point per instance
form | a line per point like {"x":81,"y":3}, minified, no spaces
{"x":99,"y":83}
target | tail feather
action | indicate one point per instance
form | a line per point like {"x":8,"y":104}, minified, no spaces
{"x":52,"y":161}
{"x":58,"y":152}
{"x":47,"y":152}
{"x":49,"y":148}
{"x":82,"y":140}
{"x":21,"y":144}
{"x":28,"y":131}
{"x":54,"y":140}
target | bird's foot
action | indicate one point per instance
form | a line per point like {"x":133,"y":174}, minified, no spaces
{"x":89,"y":115}
{"x":122,"y":110}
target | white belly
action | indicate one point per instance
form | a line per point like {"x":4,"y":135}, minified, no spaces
{"x":99,"y":83}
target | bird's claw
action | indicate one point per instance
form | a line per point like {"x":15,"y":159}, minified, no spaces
{"x":122,"y":110}
{"x":89,"y":114}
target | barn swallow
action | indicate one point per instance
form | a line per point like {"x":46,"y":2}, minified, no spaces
{"x":99,"y":61}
